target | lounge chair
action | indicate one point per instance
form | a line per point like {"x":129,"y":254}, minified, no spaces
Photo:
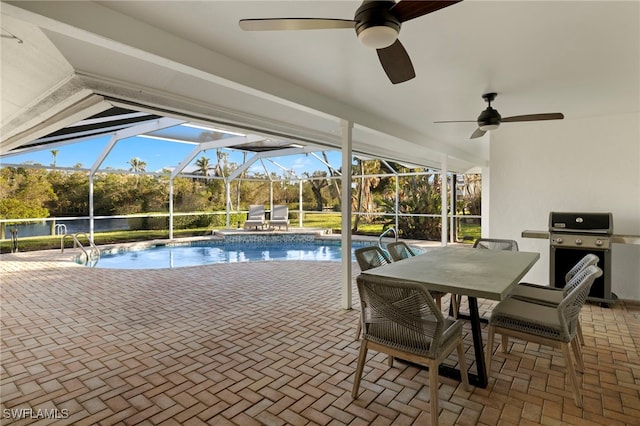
{"x":255,"y":218}
{"x":279,"y":217}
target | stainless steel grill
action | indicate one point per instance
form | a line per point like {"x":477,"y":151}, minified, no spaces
{"x":572,"y":236}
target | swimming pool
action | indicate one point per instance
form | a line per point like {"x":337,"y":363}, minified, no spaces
{"x":208,"y":252}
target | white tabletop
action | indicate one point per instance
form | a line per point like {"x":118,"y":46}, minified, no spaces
{"x":489,"y":274}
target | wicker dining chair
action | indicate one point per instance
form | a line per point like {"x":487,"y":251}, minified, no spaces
{"x":369,"y":257}
{"x":401,"y":320}
{"x":399,"y":250}
{"x":495,"y":244}
{"x":554,"y":326}
{"x":553,"y":295}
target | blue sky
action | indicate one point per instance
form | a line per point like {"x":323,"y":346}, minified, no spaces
{"x":157,"y":154}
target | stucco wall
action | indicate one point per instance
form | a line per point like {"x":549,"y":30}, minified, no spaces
{"x":570,"y":165}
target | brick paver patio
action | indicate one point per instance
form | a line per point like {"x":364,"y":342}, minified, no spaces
{"x":264,"y":343}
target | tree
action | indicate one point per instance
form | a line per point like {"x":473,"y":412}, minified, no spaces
{"x":418,"y":194}
{"x":54,"y":154}
{"x":204,"y":165}
{"x":222,"y":164}
{"x":24,"y":193}
{"x":472,"y":193}
{"x":317,"y":181}
{"x":72,"y":190}
{"x":364,"y":190}
{"x":137,"y":165}
{"x":333,"y":173}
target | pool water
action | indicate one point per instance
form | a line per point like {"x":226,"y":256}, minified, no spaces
{"x":175,"y":256}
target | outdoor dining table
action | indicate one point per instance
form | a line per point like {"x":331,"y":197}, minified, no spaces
{"x":475,"y":273}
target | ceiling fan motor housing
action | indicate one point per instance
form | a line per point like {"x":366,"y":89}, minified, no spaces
{"x":489,"y":119}
{"x":376,"y":14}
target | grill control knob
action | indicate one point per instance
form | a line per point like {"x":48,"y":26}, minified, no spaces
{"x":578,"y":241}
{"x":559,"y":240}
{"x":599,"y":242}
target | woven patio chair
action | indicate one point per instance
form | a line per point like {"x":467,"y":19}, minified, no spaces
{"x":552,"y":296}
{"x":495,"y":244}
{"x":401,"y":320}
{"x":369,"y":257}
{"x":399,"y":250}
{"x":554,"y":326}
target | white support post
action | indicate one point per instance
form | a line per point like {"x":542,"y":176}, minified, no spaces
{"x":444,"y":199}
{"x":227,"y":188}
{"x":452,"y":203}
{"x":300,"y":204}
{"x":271,"y":195}
{"x":397,"y":203}
{"x":91,"y":218}
{"x":347,"y":128}
{"x":171,"y":208}
{"x":485,"y":203}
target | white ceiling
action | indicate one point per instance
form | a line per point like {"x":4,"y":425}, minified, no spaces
{"x":581,"y":58}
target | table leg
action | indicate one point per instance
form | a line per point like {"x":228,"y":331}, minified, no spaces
{"x":478,"y":347}
{"x":480,"y":379}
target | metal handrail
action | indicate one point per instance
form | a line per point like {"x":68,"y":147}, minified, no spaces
{"x":95,"y":251}
{"x":391,"y":229}
{"x":14,"y":240}
{"x":60,"y":229}
{"x":93,"y":257}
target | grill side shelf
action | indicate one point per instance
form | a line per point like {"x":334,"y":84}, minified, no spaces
{"x":615,"y":238}
{"x":625,"y":239}
{"x":544,"y":235}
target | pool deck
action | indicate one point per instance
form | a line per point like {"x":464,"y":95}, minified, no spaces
{"x":265,"y":343}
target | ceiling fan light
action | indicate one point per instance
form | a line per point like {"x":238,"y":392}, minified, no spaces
{"x":490,"y":127}
{"x":378,"y":37}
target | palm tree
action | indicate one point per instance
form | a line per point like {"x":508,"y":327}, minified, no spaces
{"x":204,"y":165}
{"x":54,"y":154}
{"x":137,"y":165}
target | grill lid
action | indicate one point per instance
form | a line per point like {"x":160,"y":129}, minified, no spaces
{"x":601,"y":223}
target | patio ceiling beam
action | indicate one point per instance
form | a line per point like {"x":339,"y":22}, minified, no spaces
{"x":394,"y":171}
{"x":283,"y":168}
{"x":68,"y":104}
{"x":244,"y":166}
{"x":337,"y":172}
{"x":161,"y":123}
{"x":230,"y":142}
{"x":213,"y":144}
{"x":266,"y":172}
{"x":265,"y":154}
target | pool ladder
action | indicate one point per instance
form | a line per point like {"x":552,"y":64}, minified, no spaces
{"x":91,"y":257}
{"x":395,"y":234}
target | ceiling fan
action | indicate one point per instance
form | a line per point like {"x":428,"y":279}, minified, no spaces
{"x":490,"y":119}
{"x":377,"y":24}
